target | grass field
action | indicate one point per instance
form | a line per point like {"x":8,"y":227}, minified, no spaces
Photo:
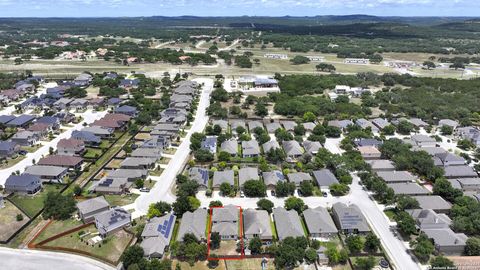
{"x":56,"y":227}
{"x":111,"y":248}
{"x":10,"y":162}
{"x":31,"y":205}
{"x":121,"y":200}
{"x":8,"y":220}
{"x":198,"y":266}
{"x":92,"y":153}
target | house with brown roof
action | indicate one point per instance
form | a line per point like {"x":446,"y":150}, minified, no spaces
{"x":40,"y":129}
{"x":70,"y":162}
{"x":70,"y":147}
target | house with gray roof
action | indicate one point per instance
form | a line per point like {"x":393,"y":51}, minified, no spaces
{"x":471,"y":184}
{"x":379,"y":165}
{"x":250,"y":149}
{"x":154,"y":153}
{"x":396,"y":176}
{"x":428,"y":219}
{"x":225,"y":221}
{"x":325,"y":178}
{"x":311,"y":147}
{"x":221,"y":123}
{"x":369,"y":152}
{"x":199,"y":175}
{"x":108,"y":185}
{"x":292,"y":149}
{"x":273,"y":144}
{"x":431,"y":150}
{"x":138,"y":163}
{"x":341,"y":124}
{"x":349,"y":218}
{"x":448,"y":159}
{"x":448,"y":122}
{"x":230,"y":146}
{"x":423,"y":140}
{"x":220,"y":177}
{"x":254,"y":124}
{"x":470,"y":133}
{"x":433,"y":202}
{"x":287,"y":223}
{"x":463,"y":171}
{"x":157,"y":234}
{"x":288,"y":125}
{"x":417,"y":122}
{"x":309,"y":126}
{"x":210,"y":144}
{"x":237,"y":123}
{"x":89,"y":208}
{"x":367,"y":142}
{"x":24,"y":184}
{"x":48,"y":173}
{"x":21,"y":121}
{"x":272,"y":178}
{"x":111,"y":221}
{"x":247,"y":173}
{"x":364,"y":123}
{"x":194,"y":223}
{"x":25,"y":138}
{"x":101,"y":132}
{"x":319,"y":223}
{"x":8,"y":149}
{"x":298,"y":177}
{"x":130,"y":174}
{"x":272,"y":127}
{"x":408,"y":189}
{"x":446,"y":241}
{"x":380,"y":123}
{"x":256,"y":223}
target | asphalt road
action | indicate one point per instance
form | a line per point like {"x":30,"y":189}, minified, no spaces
{"x":162,"y":187}
{"x":13,"y":259}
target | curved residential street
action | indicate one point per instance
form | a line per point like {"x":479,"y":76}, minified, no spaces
{"x":15,"y":259}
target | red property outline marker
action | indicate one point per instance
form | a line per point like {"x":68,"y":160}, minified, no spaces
{"x":228,"y":257}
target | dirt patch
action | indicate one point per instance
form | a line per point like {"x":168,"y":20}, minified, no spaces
{"x":8,"y":220}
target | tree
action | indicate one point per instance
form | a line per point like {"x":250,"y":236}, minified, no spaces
{"x":388,"y":130}
{"x":295,"y":203}
{"x":226,"y":189}
{"x":299,"y":130}
{"x":372,"y":243}
{"x":224,"y":156}
{"x":275,"y":155}
{"x":254,"y":188}
{"x":404,"y":127}
{"x":444,"y":188}
{"x":311,"y":255}
{"x":429,"y":64}
{"x":77,"y":190}
{"x":219,"y":94}
{"x":289,"y":252}
{"x":457,"y":65}
{"x":299,"y":60}
{"x":422,"y":248}
{"x":215,"y":240}
{"x":365,"y":263}
{"x":309,"y":117}
{"x":354,"y":243}
{"x":325,"y":67}
{"x":339,"y":189}
{"x":260,"y":109}
{"x":215,"y":204}
{"x":306,"y":188}
{"x":58,"y":206}
{"x":405,"y":223}
{"x":284,"y":189}
{"x":407,"y":202}
{"x":441,"y":262}
{"x":266,"y":205}
{"x":139,"y":183}
{"x":158,"y":209}
{"x":332,"y":132}
{"x":465,"y":144}
{"x":196,"y":140}
{"x":213,"y":262}
{"x":446,"y":130}
{"x":203,"y":155}
{"x":132,"y":255}
{"x":255,"y":245}
{"x":473,"y":246}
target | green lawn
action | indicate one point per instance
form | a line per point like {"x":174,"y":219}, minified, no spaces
{"x":274,"y":230}
{"x":105,"y":144}
{"x":31,"y":205}
{"x":92,"y":153}
{"x":57,"y":227}
{"x":390,"y":214}
{"x":121,"y":200}
{"x":10,"y":162}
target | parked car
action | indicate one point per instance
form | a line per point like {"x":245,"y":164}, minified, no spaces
{"x":273,"y":193}
{"x":324,"y":194}
{"x":144,"y":189}
{"x":242,"y":195}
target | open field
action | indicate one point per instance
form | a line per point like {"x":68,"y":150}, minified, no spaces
{"x":8,"y":220}
{"x":31,"y":205}
{"x":121,"y":200}
{"x":56,"y":227}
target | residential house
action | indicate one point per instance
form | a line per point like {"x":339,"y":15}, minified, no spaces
{"x":288,"y":125}
{"x":367,"y":142}
{"x":287,"y":223}
{"x":256,"y":223}
{"x":252,"y":125}
{"x":141,"y":152}
{"x":250,"y":149}
{"x":21,"y":121}
{"x":428,"y":219}
{"x":309,"y":126}
{"x":48,"y":173}
{"x":71,"y":162}
{"x":225,"y":221}
{"x":396,"y":176}
{"x":88,"y":138}
{"x":230,"y":146}
{"x":417,"y":122}
{"x":8,"y":149}
{"x":408,"y":189}
{"x":311,"y":147}
{"x":469,"y":184}
{"x":62,"y":103}
{"x":193,"y":223}
{"x":247,"y":173}
{"x":369,"y":152}
{"x":469,"y":133}
{"x":273,"y":144}
{"x":25,"y":138}
{"x":25,"y":184}
{"x":220,"y":177}
{"x":83,"y":79}
{"x":128,"y":110}
{"x":423,"y":140}
{"x":138,"y":163}
{"x":39,"y":129}
{"x":349,"y":218}
{"x":448,"y":159}
{"x":108,"y":185}
{"x":298,"y":177}
{"x":463,"y":171}
{"x":433,"y":202}
{"x":101,"y":132}
{"x":448,"y":122}
{"x":210,"y":144}
{"x":446,"y":241}
{"x":71,"y":147}
{"x":221,"y":123}
{"x":237,"y":123}
{"x":130,"y":174}
{"x":272,"y":178}
{"x":319,"y":223}
{"x":292,"y":149}
{"x":325,"y":178}
{"x":4,"y":119}
{"x":272,"y":127}
{"x":111,"y":221}
{"x":381,"y":165}
{"x":364,"y":124}
{"x":380,"y":123}
{"x":156,"y":235}
{"x":199,"y":175}
{"x":341,"y":124}
{"x":129,"y":83}
{"x":89,"y":208}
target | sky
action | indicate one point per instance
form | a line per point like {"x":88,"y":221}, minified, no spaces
{"x":134,"y":8}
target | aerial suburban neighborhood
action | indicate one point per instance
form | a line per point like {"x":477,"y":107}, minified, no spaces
{"x":239,"y":142}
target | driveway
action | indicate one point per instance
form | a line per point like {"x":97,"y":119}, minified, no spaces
{"x":14,"y":259}
{"x":88,"y":117}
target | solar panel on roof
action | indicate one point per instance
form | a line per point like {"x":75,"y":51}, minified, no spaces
{"x":169,"y":226}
